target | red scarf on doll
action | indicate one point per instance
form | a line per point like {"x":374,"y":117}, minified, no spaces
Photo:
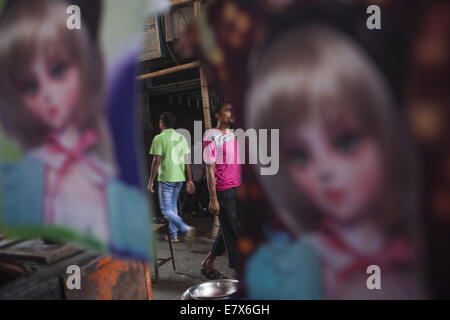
{"x":71,"y":156}
{"x":393,"y":253}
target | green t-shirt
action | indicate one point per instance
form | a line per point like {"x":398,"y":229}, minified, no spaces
{"x":172,"y":147}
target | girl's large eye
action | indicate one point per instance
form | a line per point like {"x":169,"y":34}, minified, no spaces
{"x":347,"y":141}
{"x":30,"y":88}
{"x":58,"y":70}
{"x":298,"y":157}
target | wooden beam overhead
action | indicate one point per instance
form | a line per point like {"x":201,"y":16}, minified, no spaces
{"x":190,"y":65}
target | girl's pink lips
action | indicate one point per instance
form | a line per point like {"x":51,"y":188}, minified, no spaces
{"x":335,"y":195}
{"x":53,"y":112}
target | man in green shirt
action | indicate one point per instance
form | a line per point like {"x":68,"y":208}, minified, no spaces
{"x":170,"y":159}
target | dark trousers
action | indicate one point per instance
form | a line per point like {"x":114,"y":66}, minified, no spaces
{"x":228,"y":216}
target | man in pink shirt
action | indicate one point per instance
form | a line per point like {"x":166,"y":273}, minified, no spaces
{"x":223,"y":174}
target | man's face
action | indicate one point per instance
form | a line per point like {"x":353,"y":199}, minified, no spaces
{"x":225,"y":116}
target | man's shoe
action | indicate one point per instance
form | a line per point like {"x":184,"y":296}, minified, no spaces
{"x":171,"y":240}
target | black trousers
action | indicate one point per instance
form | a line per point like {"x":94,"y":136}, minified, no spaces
{"x":228,"y":232}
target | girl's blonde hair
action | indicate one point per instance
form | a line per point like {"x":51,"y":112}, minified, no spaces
{"x":27,"y":28}
{"x":314,"y":69}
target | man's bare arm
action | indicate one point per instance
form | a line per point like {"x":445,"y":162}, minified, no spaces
{"x":154,"y":170}
{"x":188,"y":168}
{"x":211,"y":179}
{"x":190,"y":186}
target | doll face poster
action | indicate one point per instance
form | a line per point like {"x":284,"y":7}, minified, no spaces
{"x":348,"y":202}
{"x":67,"y":120}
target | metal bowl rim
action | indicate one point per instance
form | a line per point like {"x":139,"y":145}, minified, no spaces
{"x":196,"y":297}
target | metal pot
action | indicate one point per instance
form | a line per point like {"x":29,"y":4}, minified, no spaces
{"x":222,"y":289}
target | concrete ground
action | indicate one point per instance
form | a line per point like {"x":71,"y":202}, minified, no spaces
{"x":171,"y":285}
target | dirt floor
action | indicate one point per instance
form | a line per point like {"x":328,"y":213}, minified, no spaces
{"x":171,"y":285}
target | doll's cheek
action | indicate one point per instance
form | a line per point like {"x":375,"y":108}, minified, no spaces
{"x":369,"y":179}
{"x":70,"y":90}
{"x":72,"y":96}
{"x":35,"y":109}
{"x":305,"y":181}
{"x":368,"y":184}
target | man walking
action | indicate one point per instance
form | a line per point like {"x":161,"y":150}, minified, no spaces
{"x":170,"y":154}
{"x":223,"y":174}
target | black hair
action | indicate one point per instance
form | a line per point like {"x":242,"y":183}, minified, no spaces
{"x":217,"y":108}
{"x":168,"y":119}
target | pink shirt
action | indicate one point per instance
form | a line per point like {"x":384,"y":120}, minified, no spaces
{"x":222,"y":149}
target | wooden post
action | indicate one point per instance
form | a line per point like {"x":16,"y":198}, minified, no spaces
{"x":206,"y":112}
{"x":205,"y":100}
{"x":203,"y":82}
